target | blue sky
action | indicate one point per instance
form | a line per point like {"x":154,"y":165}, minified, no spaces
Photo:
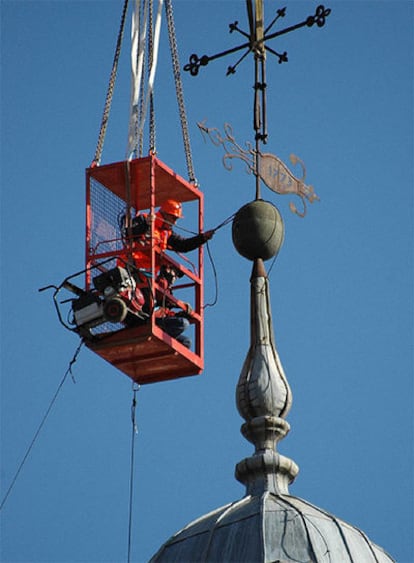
{"x":341,"y":287}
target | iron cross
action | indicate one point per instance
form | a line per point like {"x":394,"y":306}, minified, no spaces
{"x":255,"y":43}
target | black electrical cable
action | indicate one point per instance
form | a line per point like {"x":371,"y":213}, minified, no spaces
{"x":68,"y":371}
{"x":213,"y":267}
{"x":222,"y":224}
{"x":225,"y":222}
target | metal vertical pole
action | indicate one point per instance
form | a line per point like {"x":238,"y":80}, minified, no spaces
{"x":259,"y":105}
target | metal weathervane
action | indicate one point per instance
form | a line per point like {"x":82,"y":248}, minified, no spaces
{"x":272,"y":171}
{"x":266,"y":167}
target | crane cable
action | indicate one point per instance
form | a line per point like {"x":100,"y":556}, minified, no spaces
{"x":179,"y":90}
{"x":110,"y":91}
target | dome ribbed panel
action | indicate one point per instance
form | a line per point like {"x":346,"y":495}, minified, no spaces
{"x":331,"y":539}
{"x":269,"y":528}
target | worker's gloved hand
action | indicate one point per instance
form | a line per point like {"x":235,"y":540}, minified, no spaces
{"x":187,"y":310}
{"x":208,"y":235}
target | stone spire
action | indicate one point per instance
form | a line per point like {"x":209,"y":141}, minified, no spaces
{"x":267,"y":524}
{"x":263,"y":398}
{"x":263,"y":394}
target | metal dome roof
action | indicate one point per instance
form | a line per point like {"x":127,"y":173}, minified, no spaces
{"x":270,"y":528}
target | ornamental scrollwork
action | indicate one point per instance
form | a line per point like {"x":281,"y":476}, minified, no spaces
{"x":278,"y":178}
{"x":271,"y":169}
{"x":231,"y":148}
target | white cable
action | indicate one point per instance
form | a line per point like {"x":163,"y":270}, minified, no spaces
{"x":133,"y":108}
{"x":151,"y":79}
{"x":138,"y":41}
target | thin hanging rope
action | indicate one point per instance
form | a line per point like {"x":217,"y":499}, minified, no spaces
{"x":135,"y":389}
{"x":32,"y":443}
{"x":109,"y":94}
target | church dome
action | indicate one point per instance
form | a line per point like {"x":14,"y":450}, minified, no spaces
{"x":268,"y":525}
{"x":270,"y":528}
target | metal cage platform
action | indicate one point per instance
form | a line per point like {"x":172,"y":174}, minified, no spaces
{"x":146,"y":353}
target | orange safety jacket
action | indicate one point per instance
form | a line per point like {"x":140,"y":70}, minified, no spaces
{"x":141,"y":248}
{"x":163,"y":238}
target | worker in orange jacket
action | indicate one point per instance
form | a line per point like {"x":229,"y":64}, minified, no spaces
{"x":164,"y":236}
{"x":165,"y":239}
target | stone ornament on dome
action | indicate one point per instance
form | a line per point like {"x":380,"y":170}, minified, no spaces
{"x":263,"y":398}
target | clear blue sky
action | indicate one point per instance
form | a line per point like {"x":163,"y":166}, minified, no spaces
{"x":341,"y":288}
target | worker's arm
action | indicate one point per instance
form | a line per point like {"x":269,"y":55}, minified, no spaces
{"x":181,"y":244}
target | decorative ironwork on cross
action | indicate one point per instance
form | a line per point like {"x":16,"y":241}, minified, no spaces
{"x":256,"y":43}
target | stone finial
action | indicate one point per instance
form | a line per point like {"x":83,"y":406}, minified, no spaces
{"x":263,"y":398}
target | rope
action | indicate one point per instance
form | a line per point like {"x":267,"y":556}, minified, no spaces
{"x":68,"y":371}
{"x":109,"y":94}
{"x":135,"y":389}
{"x":179,"y":90}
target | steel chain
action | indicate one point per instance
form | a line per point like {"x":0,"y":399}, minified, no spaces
{"x":179,"y":90}
{"x":109,"y":94}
